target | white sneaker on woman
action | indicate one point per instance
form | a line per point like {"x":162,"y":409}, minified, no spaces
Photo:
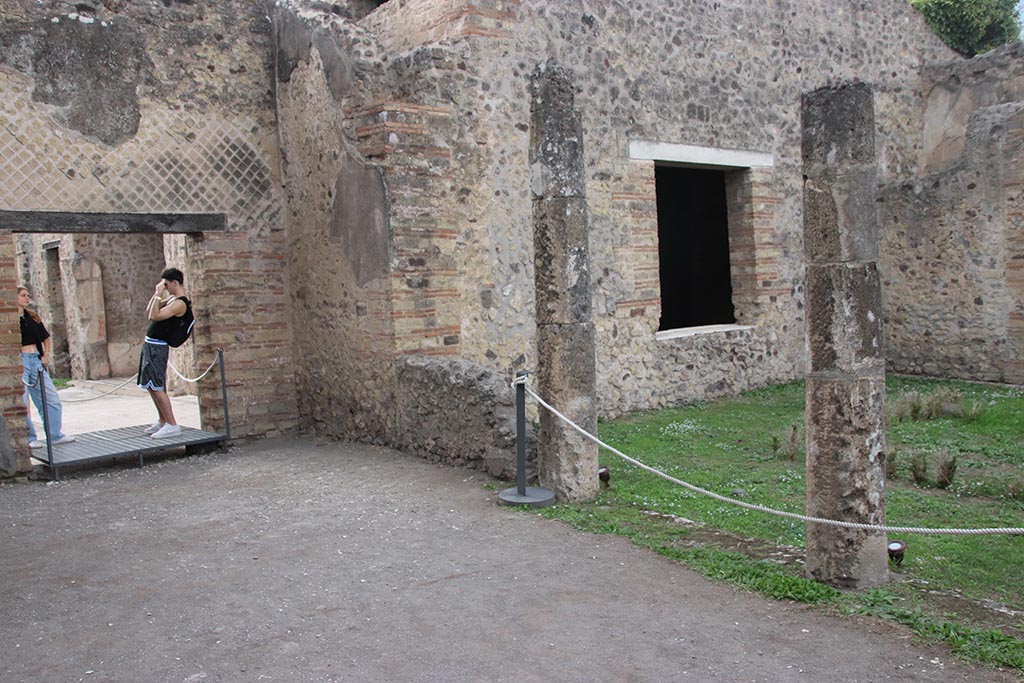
{"x":153,"y":428}
{"x":167,"y":431}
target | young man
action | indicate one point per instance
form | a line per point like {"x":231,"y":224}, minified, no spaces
{"x":168,"y":303}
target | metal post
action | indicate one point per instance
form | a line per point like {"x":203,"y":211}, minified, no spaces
{"x":224,"y":394}
{"x":533,"y":496}
{"x":46,"y":423}
{"x":521,"y":436}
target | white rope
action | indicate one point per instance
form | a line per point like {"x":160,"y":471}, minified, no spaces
{"x":93,"y":398}
{"x":762,"y":508}
{"x":171,"y":366}
{"x":108,"y":393}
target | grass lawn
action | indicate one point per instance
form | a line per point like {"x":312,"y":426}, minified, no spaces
{"x":965,"y":590}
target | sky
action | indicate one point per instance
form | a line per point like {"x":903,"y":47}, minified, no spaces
{"x":1020,"y":13}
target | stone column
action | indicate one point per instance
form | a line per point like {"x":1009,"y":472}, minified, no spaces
{"x":846,"y":379}
{"x":85,"y":308}
{"x":565,"y":330}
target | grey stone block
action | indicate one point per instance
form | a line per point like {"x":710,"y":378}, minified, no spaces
{"x":359,"y":219}
{"x":841,"y":218}
{"x":838,"y":127}
{"x":844,"y":318}
{"x":556,"y":134}
{"x":561,"y":255}
{"x":566,"y":379}
{"x":846,"y":480}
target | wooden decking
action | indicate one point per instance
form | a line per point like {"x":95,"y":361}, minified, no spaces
{"x":92,"y":447}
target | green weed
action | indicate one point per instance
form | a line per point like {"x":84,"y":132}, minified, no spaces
{"x":945,"y":468}
{"x":919,"y":468}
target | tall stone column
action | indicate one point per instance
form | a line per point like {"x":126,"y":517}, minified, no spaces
{"x":846,"y":379}
{"x":565,"y":331}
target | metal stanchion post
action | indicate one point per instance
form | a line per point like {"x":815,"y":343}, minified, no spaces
{"x":534,"y":496}
{"x":224,"y":395}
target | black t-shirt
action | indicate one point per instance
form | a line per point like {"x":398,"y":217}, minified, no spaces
{"x":33,"y":332}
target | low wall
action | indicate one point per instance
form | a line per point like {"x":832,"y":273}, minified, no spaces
{"x":459,"y":413}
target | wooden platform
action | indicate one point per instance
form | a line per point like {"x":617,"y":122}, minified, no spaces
{"x":125,"y":441}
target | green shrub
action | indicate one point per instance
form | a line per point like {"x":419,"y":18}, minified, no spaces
{"x":971,"y":26}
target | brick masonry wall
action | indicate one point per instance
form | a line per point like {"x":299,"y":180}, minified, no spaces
{"x":406,"y":24}
{"x":14,"y":450}
{"x":951,"y":243}
{"x":182,"y":120}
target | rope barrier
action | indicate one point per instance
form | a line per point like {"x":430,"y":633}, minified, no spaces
{"x":753,"y":506}
{"x":181,"y":376}
{"x":93,"y":398}
{"x":108,"y":393}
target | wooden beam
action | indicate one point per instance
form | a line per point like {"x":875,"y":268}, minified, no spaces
{"x":74,"y":222}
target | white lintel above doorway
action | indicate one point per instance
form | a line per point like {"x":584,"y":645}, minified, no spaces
{"x":693,"y":155}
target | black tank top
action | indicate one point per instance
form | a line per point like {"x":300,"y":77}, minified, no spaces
{"x":160,"y":329}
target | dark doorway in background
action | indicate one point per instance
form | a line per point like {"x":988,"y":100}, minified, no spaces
{"x":693,"y":247}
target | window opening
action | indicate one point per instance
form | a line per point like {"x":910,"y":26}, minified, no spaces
{"x":693,"y":247}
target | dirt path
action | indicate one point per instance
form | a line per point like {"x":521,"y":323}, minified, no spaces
{"x":290,"y":561}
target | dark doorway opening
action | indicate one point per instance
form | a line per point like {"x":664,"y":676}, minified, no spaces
{"x":693,"y":247}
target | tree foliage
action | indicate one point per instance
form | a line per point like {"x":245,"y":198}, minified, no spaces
{"x":971,"y":26}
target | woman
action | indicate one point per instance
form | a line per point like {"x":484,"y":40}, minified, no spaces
{"x":35,"y":352}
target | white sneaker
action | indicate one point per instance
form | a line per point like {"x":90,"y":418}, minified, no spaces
{"x":153,"y":428}
{"x":67,"y":438}
{"x":37,"y":444}
{"x":166,"y":431}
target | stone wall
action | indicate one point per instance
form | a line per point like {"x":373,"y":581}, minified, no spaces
{"x":373,"y":165}
{"x":952,"y":241}
{"x":163,"y":107}
{"x":128,"y":267}
{"x":458,"y":413}
{"x":339,"y":239}
{"x":724,"y":76}
{"x":375,"y":195}
{"x":428,"y":98}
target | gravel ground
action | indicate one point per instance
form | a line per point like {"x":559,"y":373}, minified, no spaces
{"x":293,"y":560}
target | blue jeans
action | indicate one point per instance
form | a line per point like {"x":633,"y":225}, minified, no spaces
{"x":30,"y":367}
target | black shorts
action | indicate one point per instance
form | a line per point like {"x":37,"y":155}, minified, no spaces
{"x":153,"y":365}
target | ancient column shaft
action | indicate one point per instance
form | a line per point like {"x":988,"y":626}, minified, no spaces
{"x":565,"y":332}
{"x":846,"y":379}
